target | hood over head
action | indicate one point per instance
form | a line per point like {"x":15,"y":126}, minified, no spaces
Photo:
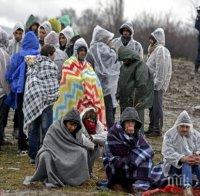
{"x":125,"y":53}
{"x":4,"y":41}
{"x":30,"y":41}
{"x":52,"y":39}
{"x":78,"y":44}
{"x":130,"y":113}
{"x":127,"y":25}
{"x":101,"y":35}
{"x":159,"y":35}
{"x":47,"y":26}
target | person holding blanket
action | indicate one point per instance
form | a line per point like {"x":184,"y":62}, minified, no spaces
{"x":62,"y":160}
{"x":41,"y":91}
{"x":127,"y":155}
{"x":79,"y":87}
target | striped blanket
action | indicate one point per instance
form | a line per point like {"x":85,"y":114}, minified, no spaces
{"x":79,"y":88}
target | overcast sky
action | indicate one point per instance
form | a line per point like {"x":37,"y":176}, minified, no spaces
{"x":12,"y":11}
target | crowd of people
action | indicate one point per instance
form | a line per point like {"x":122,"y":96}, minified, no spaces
{"x":65,"y":95}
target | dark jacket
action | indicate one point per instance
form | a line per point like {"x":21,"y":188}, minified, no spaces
{"x":135,"y":85}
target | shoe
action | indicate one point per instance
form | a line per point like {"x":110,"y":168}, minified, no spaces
{"x":188,"y":191}
{"x":22,"y":152}
{"x":32,"y":161}
{"x":154,"y":134}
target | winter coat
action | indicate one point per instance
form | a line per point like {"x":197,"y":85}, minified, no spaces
{"x":135,"y":85}
{"x":176,"y":146}
{"x":159,"y":62}
{"x":132,"y":45}
{"x":16,"y":75}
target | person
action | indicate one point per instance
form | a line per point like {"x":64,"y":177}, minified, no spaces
{"x":103,"y":59}
{"x":55,"y":24}
{"x":64,"y":39}
{"x":181,"y":152}
{"x":79,"y":87}
{"x":197,"y":26}
{"x":62,"y":159}
{"x":41,"y":91}
{"x":32,"y":24}
{"x":64,"y":21}
{"x":4,"y":87}
{"x":43,"y":30}
{"x":135,"y":85}
{"x":16,"y":76}
{"x":94,"y":130}
{"x":127,"y":155}
{"x":14,"y":47}
{"x":15,"y":43}
{"x":60,"y":56}
{"x":126,"y":39}
{"x":160,"y":65}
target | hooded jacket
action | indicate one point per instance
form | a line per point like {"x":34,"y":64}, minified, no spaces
{"x":175,"y":146}
{"x":135,"y":85}
{"x":32,"y":20}
{"x":16,"y":75}
{"x":4,"y":62}
{"x":15,"y":46}
{"x":159,"y":62}
{"x":132,"y":45}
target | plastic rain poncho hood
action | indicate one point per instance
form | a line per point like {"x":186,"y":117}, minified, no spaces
{"x":78,"y":44}
{"x":47,"y":27}
{"x":68,"y":33}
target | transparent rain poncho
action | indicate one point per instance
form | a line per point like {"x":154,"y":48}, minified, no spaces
{"x":160,"y":62}
{"x":175,"y":146}
{"x":47,"y":26}
{"x":68,"y":33}
{"x":132,"y":45}
{"x":105,"y":61}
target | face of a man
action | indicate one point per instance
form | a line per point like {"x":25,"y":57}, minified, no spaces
{"x":62,"y":40}
{"x":34,"y":27}
{"x":71,"y":126}
{"x":183,"y":130}
{"x":41,"y":33}
{"x":18,"y":35}
{"x":126,"y":33}
{"x":82,"y":54}
{"x":152,"y":40}
{"x":129,"y":127}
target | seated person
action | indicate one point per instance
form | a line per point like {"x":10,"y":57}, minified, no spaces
{"x":95,"y":131}
{"x":181,"y":150}
{"x":127,"y":155}
{"x":62,"y":159}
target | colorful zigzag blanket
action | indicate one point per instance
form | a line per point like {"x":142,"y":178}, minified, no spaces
{"x":80,"y":88}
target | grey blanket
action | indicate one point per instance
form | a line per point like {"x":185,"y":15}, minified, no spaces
{"x":62,"y":160}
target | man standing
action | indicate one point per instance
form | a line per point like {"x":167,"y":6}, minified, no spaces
{"x":135,"y":85}
{"x":126,"y":39}
{"x":44,"y":29}
{"x":160,"y":65}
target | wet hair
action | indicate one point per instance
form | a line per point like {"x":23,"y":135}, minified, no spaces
{"x":47,"y":50}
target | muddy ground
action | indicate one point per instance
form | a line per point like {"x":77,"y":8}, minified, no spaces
{"x":183,"y":93}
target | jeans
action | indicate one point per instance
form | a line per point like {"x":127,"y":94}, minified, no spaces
{"x":186,"y":172}
{"x":22,"y":139}
{"x":38,"y":129}
{"x":4,"y":109}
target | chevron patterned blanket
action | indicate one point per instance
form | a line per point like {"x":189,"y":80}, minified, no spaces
{"x":80,"y":88}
